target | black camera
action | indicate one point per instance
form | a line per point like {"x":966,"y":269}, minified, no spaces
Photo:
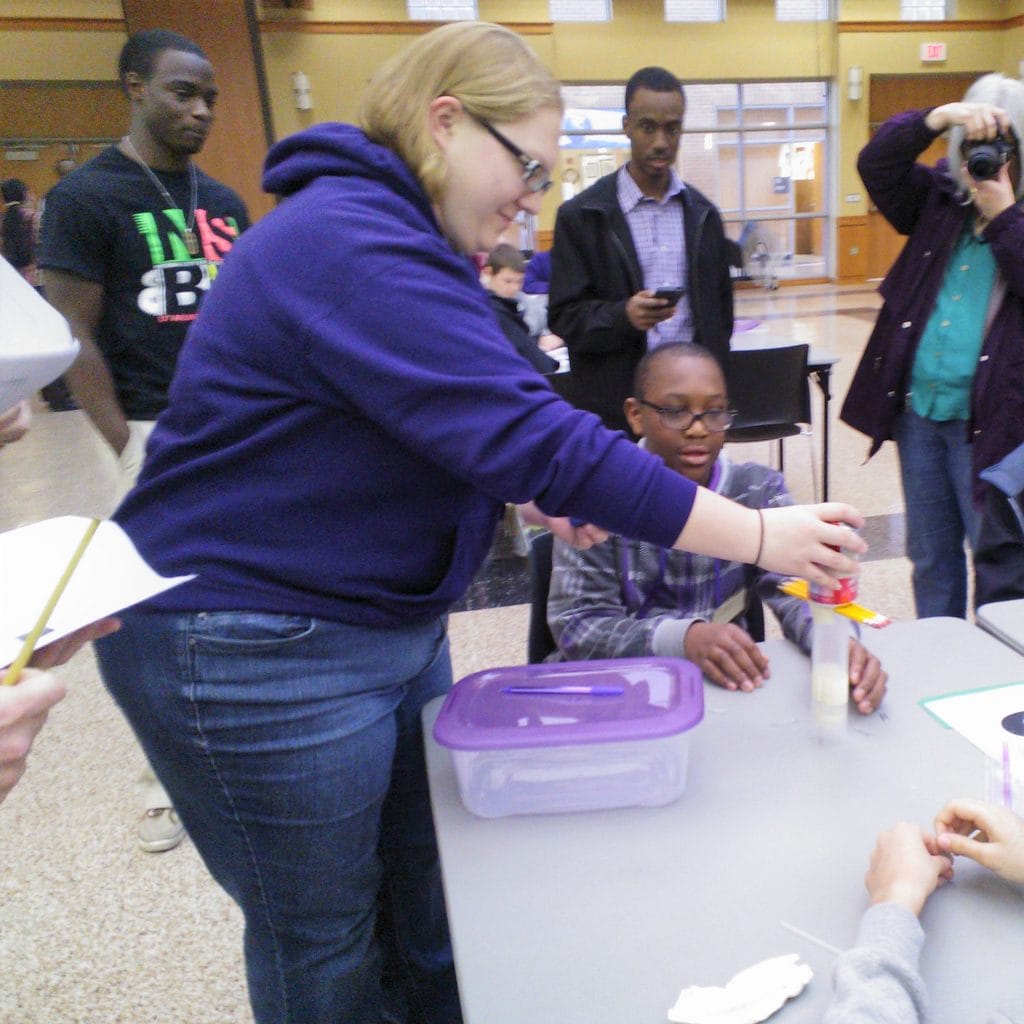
{"x":984,"y":157}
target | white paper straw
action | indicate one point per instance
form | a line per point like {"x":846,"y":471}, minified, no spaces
{"x":810,"y":938}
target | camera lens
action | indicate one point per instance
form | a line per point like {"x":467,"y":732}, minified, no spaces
{"x":984,"y":161}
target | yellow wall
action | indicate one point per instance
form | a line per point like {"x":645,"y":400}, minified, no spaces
{"x":899,"y":53}
{"x":332,"y":46}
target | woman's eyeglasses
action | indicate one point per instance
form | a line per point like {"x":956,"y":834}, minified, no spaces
{"x":534,"y":175}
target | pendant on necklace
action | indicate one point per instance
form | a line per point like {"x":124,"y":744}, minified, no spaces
{"x":191,"y":242}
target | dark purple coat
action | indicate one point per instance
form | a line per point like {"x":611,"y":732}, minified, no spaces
{"x":923,"y":202}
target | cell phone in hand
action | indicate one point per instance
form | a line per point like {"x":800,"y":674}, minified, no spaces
{"x":672,"y":294}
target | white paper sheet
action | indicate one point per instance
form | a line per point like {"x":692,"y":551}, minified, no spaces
{"x":35,"y":341}
{"x":110,"y":577}
{"x":977,"y":714}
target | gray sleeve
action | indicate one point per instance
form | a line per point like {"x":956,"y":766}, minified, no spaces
{"x":877,"y":981}
{"x":588,"y":616}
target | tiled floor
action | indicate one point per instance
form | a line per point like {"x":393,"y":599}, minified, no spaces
{"x":92,"y":929}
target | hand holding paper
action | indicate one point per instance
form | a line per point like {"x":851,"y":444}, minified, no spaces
{"x":110,"y":576}
{"x":23,"y":711}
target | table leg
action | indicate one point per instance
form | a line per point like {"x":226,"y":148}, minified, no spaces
{"x":823,"y":377}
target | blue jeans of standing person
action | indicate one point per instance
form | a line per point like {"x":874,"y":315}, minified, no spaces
{"x":293,"y":751}
{"x":935,"y":464}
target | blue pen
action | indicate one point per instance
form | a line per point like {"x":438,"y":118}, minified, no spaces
{"x":559,"y":691}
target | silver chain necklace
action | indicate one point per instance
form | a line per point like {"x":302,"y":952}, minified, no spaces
{"x":189,"y":234}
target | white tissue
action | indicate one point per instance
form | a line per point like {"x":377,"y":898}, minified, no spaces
{"x":749,"y":997}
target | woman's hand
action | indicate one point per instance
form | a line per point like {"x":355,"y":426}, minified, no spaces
{"x":991,"y":196}
{"x":999,"y":845}
{"x":801,"y":540}
{"x":906,"y":868}
{"x":980,"y":120}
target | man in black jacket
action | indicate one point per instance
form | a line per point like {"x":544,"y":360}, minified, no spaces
{"x":632,"y":233}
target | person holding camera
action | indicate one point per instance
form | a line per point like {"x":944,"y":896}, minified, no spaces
{"x":943,"y":371}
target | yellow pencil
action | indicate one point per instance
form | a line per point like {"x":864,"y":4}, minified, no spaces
{"x":13,"y":674}
{"x":795,"y":587}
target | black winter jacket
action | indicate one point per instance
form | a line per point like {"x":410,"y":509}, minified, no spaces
{"x":595,"y":270}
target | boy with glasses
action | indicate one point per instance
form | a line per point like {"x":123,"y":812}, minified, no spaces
{"x":627,"y":598}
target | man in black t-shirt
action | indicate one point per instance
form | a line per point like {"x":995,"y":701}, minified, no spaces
{"x":131,"y":242}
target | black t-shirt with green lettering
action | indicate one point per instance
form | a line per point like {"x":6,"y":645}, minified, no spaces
{"x":108,"y":222}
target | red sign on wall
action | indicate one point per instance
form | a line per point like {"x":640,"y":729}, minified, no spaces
{"x":933,"y":51}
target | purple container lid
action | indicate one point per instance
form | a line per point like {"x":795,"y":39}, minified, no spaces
{"x":623,"y":700}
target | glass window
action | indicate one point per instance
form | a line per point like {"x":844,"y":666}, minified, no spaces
{"x":441,"y":10}
{"x":802,"y":10}
{"x":695,"y":10}
{"x":758,"y":150}
{"x":927,"y":10}
{"x":580,"y":10}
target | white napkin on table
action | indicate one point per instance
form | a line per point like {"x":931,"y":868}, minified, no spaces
{"x":749,"y":997}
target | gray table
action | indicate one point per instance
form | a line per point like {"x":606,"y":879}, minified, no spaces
{"x":602,"y":917}
{"x":1005,"y":621}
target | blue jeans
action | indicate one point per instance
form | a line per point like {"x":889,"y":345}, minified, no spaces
{"x":935,"y":464}
{"x":292,"y":750}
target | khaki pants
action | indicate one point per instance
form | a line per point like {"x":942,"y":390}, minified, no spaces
{"x":129,"y":465}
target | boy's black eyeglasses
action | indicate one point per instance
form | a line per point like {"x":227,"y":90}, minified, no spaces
{"x":534,"y":175}
{"x":714,"y":420}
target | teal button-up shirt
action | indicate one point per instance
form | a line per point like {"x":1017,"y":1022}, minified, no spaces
{"x":946,"y":358}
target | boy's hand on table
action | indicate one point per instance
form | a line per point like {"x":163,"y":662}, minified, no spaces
{"x":726,"y":654}
{"x":867,"y":678}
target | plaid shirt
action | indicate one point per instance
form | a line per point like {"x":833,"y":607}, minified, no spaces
{"x":625,"y":598}
{"x":660,"y":241}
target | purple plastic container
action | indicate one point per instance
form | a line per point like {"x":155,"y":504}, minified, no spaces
{"x":572,"y":736}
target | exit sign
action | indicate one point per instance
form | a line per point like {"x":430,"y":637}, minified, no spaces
{"x":933,"y":51}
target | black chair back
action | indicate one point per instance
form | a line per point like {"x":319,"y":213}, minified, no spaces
{"x":540,"y":642}
{"x":769,"y":389}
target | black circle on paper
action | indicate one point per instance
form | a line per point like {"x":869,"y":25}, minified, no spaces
{"x":1014,"y":723}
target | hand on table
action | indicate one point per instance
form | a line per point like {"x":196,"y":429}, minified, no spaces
{"x":906,"y":867}
{"x":726,"y":654}
{"x":867,"y":678}
{"x":23,"y":710}
{"x":999,"y":847}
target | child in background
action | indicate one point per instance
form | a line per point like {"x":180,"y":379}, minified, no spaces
{"x":626,"y":598}
{"x":502,"y":276}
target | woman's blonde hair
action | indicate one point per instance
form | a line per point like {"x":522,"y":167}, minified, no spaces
{"x":1000,"y":91}
{"x":489,"y":68}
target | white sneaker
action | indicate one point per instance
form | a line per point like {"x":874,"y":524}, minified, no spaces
{"x":160,"y":829}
